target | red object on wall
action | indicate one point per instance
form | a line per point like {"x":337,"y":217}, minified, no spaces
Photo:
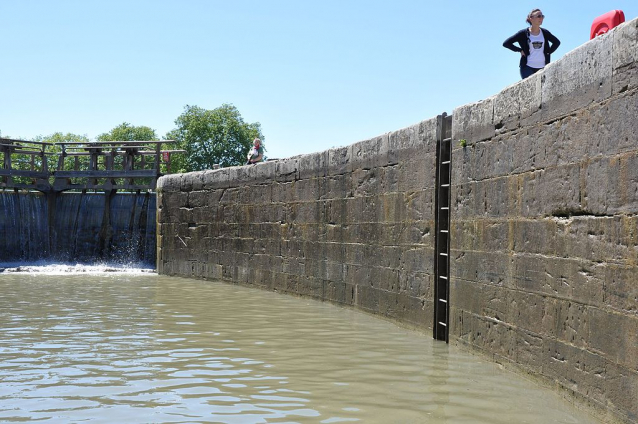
{"x":605,"y":22}
{"x":166,"y":156}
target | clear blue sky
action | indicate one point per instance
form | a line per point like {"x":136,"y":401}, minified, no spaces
{"x":315,"y":74}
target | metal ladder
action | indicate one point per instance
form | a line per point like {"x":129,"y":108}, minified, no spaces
{"x":442,"y":227}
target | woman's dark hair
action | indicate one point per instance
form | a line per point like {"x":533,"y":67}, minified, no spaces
{"x":529,"y":15}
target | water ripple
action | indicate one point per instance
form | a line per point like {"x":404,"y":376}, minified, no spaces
{"x":145,"y":348}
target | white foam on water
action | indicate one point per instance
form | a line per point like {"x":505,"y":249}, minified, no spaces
{"x":64,"y":269}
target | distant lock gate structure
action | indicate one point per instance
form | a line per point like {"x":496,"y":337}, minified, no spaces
{"x":100,"y":166}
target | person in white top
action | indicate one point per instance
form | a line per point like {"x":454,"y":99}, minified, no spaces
{"x":535,"y":44}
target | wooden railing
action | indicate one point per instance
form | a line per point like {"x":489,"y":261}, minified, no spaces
{"x":116,"y":165}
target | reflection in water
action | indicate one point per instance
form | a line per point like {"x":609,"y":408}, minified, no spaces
{"x":148,"y":348}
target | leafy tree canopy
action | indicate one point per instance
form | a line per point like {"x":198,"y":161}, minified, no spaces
{"x":217,"y":136}
{"x":60,"y":137}
{"x":128,"y":132}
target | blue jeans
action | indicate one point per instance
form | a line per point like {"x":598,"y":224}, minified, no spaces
{"x":526,"y":71}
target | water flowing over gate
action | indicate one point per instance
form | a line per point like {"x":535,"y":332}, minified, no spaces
{"x":84,"y":202}
{"x":442,"y":226}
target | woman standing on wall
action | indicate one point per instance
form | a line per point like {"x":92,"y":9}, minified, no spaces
{"x":535,"y":44}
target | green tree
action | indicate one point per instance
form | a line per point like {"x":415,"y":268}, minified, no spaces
{"x":128,"y":132}
{"x":209,"y":137}
{"x":59,"y":137}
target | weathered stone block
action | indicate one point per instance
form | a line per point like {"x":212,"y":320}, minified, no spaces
{"x":529,"y":351}
{"x":419,"y":206}
{"x":283,"y":193}
{"x":575,"y":369}
{"x":412,"y":310}
{"x":474,"y":122}
{"x":526,"y":310}
{"x":466,"y":295}
{"x":491,"y":336}
{"x":415,"y":141}
{"x":598,"y":239}
{"x":313,"y":165}
{"x":463,"y":164}
{"x":417,"y":173}
{"x":306,"y":190}
{"x":367,"y":297}
{"x":334,"y":187}
{"x":389,"y":176}
{"x":625,"y":55}
{"x":230,"y":196}
{"x":287,"y":170}
{"x":586,"y":70}
{"x":416,"y":284}
{"x":216,"y":179}
{"x":621,"y":289}
{"x":334,"y":271}
{"x":615,"y":337}
{"x":464,"y":200}
{"x":605,"y":139}
{"x":385,"y":279}
{"x":483,"y":267}
{"x":389,"y":305}
{"x":495,"y":158}
{"x":390,"y":207}
{"x":464,"y":235}
{"x":370,"y":154}
{"x":336,"y":292}
{"x":339,"y":160}
{"x":311,"y":287}
{"x":566,"y":321}
{"x":517,"y":104}
{"x":416,"y":260}
{"x":169,"y":183}
{"x":553,"y":144}
{"x":552,"y":192}
{"x":172,"y":200}
{"x":620,"y":388}
{"x":535,"y":236}
{"x":364,"y":182}
{"x":198,"y":199}
{"x":497,"y":197}
{"x":417,"y":232}
{"x":621,"y":174}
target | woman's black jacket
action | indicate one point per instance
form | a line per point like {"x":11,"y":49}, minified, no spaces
{"x":522,"y":38}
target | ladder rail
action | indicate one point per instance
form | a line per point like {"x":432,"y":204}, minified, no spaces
{"x":442,"y":226}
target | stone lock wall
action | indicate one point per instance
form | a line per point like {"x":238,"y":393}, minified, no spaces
{"x":544,"y":229}
{"x":352,"y":225}
{"x":544,"y":242}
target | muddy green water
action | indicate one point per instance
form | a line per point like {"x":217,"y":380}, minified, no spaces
{"x":121,"y":348}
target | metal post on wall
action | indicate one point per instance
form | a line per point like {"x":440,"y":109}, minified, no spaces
{"x":442,"y":228}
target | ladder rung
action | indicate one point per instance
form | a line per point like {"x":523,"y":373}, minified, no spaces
{"x":445,"y":185}
{"x":444,"y":231}
{"x":443,"y":324}
{"x":443,"y":254}
{"x":445,"y":208}
{"x":447,"y":139}
{"x":443,"y":300}
{"x":445,"y":162}
{"x":445,"y":278}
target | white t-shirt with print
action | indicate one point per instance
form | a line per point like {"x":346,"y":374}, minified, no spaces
{"x":536,"y":58}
